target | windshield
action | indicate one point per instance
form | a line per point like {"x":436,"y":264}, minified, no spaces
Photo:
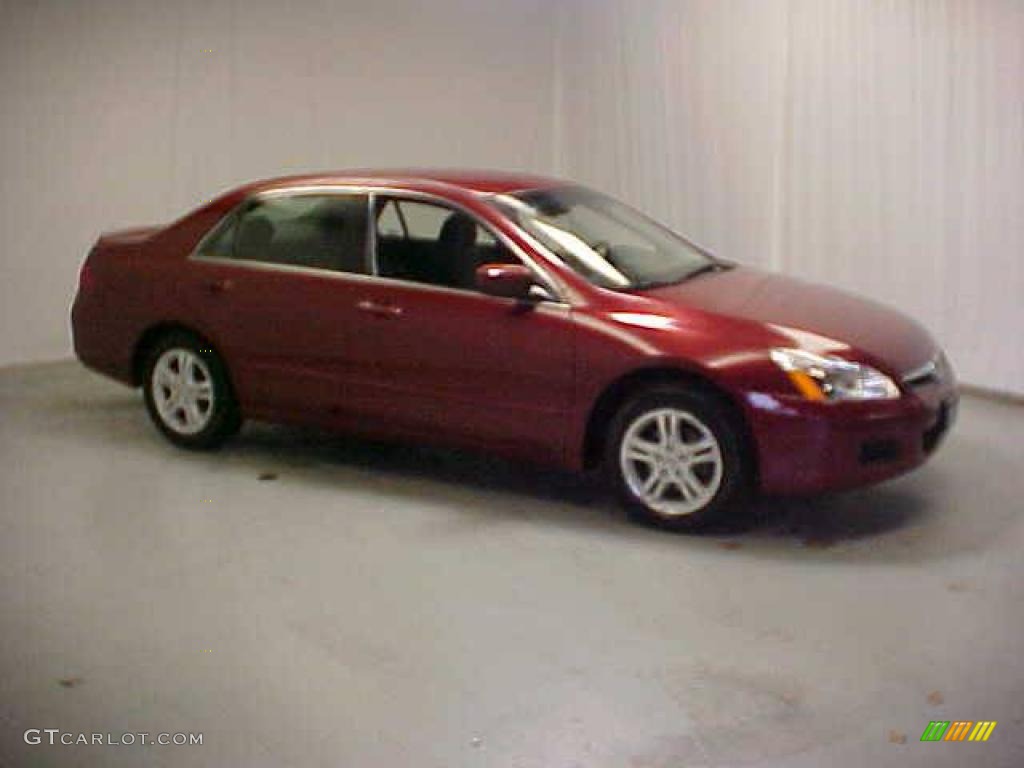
{"x":606,"y":242}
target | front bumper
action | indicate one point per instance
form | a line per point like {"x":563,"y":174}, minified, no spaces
{"x":806,"y":447}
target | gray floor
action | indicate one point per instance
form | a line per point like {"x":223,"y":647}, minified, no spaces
{"x":374,"y":605}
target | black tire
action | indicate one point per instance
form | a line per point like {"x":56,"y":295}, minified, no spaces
{"x":219,"y":420}
{"x":726,"y":482}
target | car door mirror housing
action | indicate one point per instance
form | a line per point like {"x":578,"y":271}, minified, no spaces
{"x":509,"y":281}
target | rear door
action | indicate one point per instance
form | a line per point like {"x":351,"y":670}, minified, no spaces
{"x":276,"y":286}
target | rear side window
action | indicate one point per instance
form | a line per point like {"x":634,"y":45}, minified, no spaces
{"x":316,"y":231}
{"x":219,"y":242}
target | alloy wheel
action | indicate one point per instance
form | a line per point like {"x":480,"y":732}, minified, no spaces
{"x":671,"y":461}
{"x":183,"y":391}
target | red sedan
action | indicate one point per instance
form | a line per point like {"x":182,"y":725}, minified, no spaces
{"x":517,"y":314}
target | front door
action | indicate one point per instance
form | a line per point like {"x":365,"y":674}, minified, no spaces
{"x":451,"y":362}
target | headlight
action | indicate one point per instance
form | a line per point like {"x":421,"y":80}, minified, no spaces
{"x":832,"y":378}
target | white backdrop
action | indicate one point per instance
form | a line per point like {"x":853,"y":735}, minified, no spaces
{"x":875,"y":145}
{"x":123,"y":112}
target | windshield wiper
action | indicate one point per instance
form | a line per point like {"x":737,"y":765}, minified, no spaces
{"x":712,"y":266}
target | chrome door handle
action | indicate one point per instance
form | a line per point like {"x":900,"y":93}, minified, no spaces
{"x":378,"y":310}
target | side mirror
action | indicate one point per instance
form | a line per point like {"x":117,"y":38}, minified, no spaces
{"x":509,"y":281}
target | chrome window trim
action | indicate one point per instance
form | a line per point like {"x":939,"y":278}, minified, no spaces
{"x":332,"y":274}
{"x":550,"y":284}
{"x":269,"y":266}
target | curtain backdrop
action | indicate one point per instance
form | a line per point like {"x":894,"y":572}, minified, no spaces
{"x":878,"y":146}
{"x":874,"y":145}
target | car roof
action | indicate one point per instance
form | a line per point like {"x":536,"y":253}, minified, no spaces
{"x":480,"y":181}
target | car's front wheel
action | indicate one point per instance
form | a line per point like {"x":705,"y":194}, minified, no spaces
{"x":676,"y":458}
{"x":188,"y":394}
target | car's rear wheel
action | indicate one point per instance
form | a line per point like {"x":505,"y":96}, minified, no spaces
{"x":676,"y":458}
{"x":188,"y":392}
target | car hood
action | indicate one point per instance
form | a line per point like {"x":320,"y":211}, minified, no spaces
{"x":814,"y":316}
